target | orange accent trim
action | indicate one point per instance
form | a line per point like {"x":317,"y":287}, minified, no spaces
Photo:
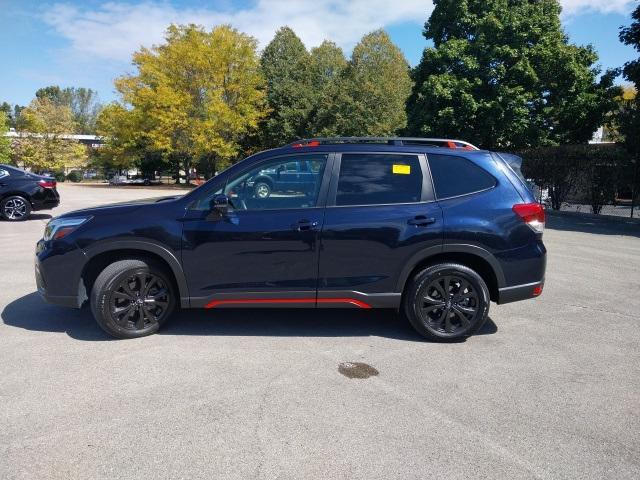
{"x":452,"y":145}
{"x":240,"y":301}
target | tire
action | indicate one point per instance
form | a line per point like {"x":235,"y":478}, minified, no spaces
{"x":262,"y":190}
{"x":118,"y":294}
{"x":15,"y":208}
{"x":446,"y":313}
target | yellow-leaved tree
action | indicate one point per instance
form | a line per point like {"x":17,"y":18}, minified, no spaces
{"x":197,"y":95}
{"x":43,"y":144}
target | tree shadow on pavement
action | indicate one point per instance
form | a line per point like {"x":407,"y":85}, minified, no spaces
{"x":587,"y":224}
{"x":32,"y":313}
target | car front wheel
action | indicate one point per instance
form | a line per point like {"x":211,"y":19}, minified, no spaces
{"x":132,"y":298}
{"x":447,"y":302}
{"x":15,"y":208}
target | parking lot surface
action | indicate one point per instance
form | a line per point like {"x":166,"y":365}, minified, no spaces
{"x":550,"y":388}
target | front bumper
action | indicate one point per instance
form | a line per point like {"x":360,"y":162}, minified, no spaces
{"x":57,"y":272}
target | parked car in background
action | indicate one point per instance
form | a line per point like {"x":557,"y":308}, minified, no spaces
{"x":23,"y":192}
{"x":135,"y":180}
{"x":427,"y":227}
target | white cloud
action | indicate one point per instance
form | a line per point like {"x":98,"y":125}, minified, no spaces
{"x":114,"y":30}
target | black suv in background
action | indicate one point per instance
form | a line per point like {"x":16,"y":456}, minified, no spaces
{"x":23,"y":192}
{"x":433,"y":228}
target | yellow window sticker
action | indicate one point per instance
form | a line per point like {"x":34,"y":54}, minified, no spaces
{"x":402,"y":169}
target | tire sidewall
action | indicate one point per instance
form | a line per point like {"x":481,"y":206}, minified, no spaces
{"x":426,"y":277}
{"x":102,"y":311}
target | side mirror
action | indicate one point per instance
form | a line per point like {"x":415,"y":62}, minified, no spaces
{"x":220,"y":203}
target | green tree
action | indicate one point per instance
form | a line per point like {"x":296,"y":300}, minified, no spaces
{"x":629,"y":117}
{"x":43,"y":145}
{"x":83,"y":102}
{"x":5,"y":142}
{"x":198,"y":93}
{"x":369,"y":95}
{"x":290,"y":96}
{"x":501,"y":73}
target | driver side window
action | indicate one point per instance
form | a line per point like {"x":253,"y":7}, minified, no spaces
{"x":278,"y":183}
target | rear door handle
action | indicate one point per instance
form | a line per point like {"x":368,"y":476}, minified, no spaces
{"x":304,"y":225}
{"x":421,"y":221}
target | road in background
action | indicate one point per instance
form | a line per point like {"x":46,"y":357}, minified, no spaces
{"x":549,"y":389}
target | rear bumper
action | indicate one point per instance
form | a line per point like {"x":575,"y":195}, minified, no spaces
{"x":520,"y":292}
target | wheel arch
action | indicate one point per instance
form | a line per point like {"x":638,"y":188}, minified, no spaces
{"x":98,"y":258}
{"x":17,"y":193}
{"x":471,"y":256}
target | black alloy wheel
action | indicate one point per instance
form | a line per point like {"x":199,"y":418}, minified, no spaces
{"x":15,"y":208}
{"x":446,"y":302}
{"x":139,"y":301}
{"x":133,"y":298}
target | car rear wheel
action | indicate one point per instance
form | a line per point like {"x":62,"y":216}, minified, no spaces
{"x":15,"y":208}
{"x":132,"y":298}
{"x":262,"y":189}
{"x":447,"y":302}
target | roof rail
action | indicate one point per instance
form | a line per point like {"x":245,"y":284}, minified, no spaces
{"x":431,"y":142}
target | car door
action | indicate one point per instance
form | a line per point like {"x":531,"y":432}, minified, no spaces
{"x":262,"y":250}
{"x":380,"y":214}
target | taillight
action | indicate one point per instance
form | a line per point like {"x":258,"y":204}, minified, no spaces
{"x":47,"y":183}
{"x":532,"y":214}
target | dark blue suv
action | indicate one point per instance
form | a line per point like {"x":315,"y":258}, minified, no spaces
{"x":433,"y":228}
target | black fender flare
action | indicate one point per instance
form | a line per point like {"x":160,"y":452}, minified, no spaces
{"x":425,"y":254}
{"x":151,"y":247}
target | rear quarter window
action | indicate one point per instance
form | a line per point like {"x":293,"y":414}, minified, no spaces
{"x":454,"y":176}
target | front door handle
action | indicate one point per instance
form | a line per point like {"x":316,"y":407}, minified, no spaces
{"x":304,"y":225}
{"x":421,"y":221}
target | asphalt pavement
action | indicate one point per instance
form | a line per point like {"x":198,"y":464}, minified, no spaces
{"x":550,"y":388}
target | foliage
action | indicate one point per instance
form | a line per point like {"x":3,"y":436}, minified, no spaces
{"x":43,"y":146}
{"x":198,"y":93}
{"x":59,"y":176}
{"x":628,"y":119}
{"x":501,"y":73}
{"x":12,"y":113}
{"x":590,"y":173}
{"x":630,"y":35}
{"x":75,"y":176}
{"x":124,"y":143}
{"x":5,"y":142}
{"x":83,"y":102}
{"x":369,"y":96}
{"x":326,"y":69}
{"x":286,"y":66}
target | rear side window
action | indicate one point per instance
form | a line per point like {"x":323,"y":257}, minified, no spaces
{"x":378,"y":179}
{"x":453,"y":176}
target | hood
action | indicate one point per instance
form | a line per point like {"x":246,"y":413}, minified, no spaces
{"x":119,"y":208}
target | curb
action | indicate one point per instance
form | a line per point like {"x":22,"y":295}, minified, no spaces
{"x":592,"y":216}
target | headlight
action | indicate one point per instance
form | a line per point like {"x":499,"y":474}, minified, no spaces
{"x":61,"y":227}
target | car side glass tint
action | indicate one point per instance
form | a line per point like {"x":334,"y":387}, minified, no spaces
{"x":453,"y":176}
{"x":379,"y":179}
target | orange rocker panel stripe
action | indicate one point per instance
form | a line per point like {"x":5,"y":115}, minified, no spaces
{"x":352,"y":301}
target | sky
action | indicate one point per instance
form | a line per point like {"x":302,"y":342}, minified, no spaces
{"x":89,"y":43}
